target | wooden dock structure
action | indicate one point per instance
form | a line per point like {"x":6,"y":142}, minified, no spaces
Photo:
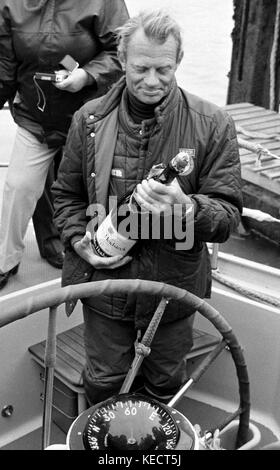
{"x":260,"y":171}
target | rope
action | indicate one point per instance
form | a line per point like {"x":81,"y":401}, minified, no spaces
{"x":258,"y":149}
{"x":273,"y":58}
{"x":246,"y":292}
{"x":142,"y":350}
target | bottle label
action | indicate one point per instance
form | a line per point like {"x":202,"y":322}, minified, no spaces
{"x":110,"y":241}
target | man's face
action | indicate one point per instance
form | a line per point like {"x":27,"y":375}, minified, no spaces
{"x":150,"y":67}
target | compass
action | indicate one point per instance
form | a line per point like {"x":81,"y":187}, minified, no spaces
{"x":131,"y":422}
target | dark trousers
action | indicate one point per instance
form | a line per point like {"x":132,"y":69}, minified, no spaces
{"x":47,"y":236}
{"x":109,"y":346}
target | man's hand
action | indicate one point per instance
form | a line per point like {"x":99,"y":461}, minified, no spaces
{"x":77,"y":80}
{"x":158,"y":198}
{"x":85,"y":250}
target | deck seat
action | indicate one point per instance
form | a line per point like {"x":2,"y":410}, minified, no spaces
{"x":70,"y":355}
{"x":69,"y":397}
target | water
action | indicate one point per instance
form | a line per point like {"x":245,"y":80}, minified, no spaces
{"x":206,"y":27}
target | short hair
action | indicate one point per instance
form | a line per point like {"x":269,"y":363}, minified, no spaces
{"x":157,"y":25}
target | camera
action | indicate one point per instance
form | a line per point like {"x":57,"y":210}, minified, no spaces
{"x":57,"y":77}
{"x":68,"y":63}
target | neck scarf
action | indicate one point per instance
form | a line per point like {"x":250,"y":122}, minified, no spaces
{"x":140,"y":111}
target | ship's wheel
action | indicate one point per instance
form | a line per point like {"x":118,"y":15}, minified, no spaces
{"x":132,"y":421}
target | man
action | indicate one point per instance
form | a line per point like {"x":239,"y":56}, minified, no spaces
{"x":113,"y":142}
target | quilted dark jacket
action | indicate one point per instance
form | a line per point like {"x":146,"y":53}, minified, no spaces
{"x":183,"y":121}
{"x":36,"y":41}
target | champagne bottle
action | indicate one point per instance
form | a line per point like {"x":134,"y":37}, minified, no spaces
{"x":108,"y":240}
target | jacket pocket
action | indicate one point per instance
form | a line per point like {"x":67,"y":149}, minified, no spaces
{"x":75,"y":269}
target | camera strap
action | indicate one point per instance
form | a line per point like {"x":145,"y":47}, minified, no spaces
{"x":41,"y":104}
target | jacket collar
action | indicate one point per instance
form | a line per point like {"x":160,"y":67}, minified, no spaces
{"x":162,"y":113}
{"x":114,"y":97}
{"x":168,"y":105}
{"x":111,"y":100}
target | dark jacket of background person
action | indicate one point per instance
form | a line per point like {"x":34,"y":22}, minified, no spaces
{"x":37,"y":41}
{"x":182,"y":121}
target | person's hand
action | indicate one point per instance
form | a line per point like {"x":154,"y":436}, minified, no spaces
{"x":157,"y":198}
{"x":77,"y":80}
{"x":84,"y":249}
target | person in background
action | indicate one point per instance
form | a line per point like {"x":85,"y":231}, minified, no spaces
{"x":35,"y":37}
{"x":145,"y":119}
